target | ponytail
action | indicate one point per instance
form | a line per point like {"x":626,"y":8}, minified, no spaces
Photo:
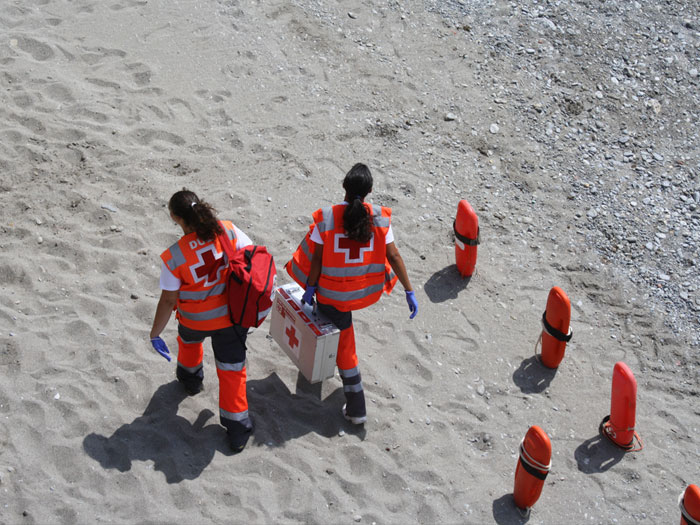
{"x":356,"y":219}
{"x":197,"y":214}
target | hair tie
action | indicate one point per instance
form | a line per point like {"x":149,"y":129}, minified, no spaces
{"x":358,"y":197}
{"x":193,"y":204}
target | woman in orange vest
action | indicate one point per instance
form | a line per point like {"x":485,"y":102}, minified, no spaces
{"x":343,"y":261}
{"x":193,"y":283}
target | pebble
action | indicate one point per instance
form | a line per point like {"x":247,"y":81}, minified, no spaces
{"x":39,"y":221}
{"x":693,"y":72}
{"x":481,"y":389}
{"x":449,"y":117}
{"x":341,"y":433}
{"x":664,"y":277}
{"x":649,"y":246}
{"x":357,"y":518}
{"x":39,"y":239}
{"x":494,"y":128}
{"x":109,"y":207}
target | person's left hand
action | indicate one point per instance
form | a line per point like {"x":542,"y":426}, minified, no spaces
{"x":160,"y":347}
{"x":412,"y":304}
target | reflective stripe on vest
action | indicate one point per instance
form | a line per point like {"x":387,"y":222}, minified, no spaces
{"x":328,"y":221}
{"x":219,"y":289}
{"x":304,"y":247}
{"x":296,"y":273}
{"x":352,"y":295}
{"x":379,"y":221}
{"x":177,"y":258}
{"x":206,"y":315}
{"x":353,"y":271}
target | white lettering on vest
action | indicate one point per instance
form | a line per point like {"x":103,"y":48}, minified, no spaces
{"x":195,"y":243}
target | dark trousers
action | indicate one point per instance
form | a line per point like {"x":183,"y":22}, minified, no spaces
{"x":230,"y":353}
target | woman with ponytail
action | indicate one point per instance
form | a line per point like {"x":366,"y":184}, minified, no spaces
{"x":192,"y":282}
{"x":348,"y":259}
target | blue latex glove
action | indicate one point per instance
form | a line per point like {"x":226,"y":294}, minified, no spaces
{"x":161,"y":347}
{"x":412,"y":304}
{"x":308,"y":296}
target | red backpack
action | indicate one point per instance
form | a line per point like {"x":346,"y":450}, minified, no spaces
{"x":250,"y":284}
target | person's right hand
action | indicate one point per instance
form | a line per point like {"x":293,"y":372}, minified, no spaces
{"x":160,"y":347}
{"x":308,"y":296}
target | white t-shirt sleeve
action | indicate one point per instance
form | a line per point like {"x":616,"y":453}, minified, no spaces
{"x":167,"y":280}
{"x":242,"y":240}
{"x":390,"y":235}
{"x":316,"y":236}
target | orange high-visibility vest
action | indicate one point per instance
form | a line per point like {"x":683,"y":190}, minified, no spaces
{"x":202,"y":301}
{"x":353,"y":274}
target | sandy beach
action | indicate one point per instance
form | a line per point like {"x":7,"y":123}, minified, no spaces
{"x":571,"y":128}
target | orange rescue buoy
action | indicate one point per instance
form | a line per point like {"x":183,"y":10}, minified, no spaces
{"x":555,"y":328}
{"x":466,"y":228}
{"x":533,"y":467}
{"x":618,"y":427}
{"x":689,"y":502}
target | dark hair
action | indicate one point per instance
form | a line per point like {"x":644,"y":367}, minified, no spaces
{"x":197,"y":214}
{"x":356,"y":219}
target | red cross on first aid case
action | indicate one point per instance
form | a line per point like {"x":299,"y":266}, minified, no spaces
{"x":308,"y":338}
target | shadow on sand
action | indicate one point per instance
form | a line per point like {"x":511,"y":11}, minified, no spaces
{"x":182,"y":450}
{"x":597,"y":454}
{"x":445,"y":284}
{"x":506,"y":513}
{"x":532,"y":377}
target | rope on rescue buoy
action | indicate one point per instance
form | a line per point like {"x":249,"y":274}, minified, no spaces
{"x":531,"y":465}
{"x":607,"y":429}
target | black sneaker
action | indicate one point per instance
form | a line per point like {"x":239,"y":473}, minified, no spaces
{"x":192,"y":388}
{"x":355,"y":420}
{"x":238,"y":441}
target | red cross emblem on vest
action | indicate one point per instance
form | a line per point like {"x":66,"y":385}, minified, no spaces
{"x":208,"y":259}
{"x":354,"y":250}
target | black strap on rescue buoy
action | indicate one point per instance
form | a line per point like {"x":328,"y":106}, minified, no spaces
{"x":532,"y":470}
{"x":466,"y":240}
{"x":556,"y":334}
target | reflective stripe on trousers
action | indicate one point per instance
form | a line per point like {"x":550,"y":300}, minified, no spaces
{"x":229,"y":352}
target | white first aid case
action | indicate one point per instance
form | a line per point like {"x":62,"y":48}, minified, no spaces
{"x":307,"y":337}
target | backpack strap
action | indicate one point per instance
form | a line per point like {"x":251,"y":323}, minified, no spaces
{"x":228,"y":248}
